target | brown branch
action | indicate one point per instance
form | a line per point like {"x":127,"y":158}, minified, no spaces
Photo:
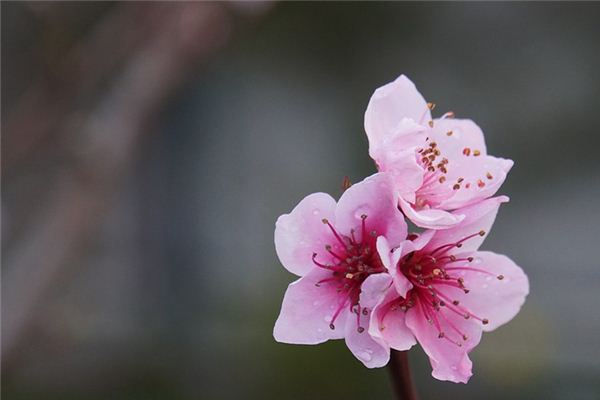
{"x":400,"y":376}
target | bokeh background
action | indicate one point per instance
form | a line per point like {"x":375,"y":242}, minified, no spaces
{"x":147,"y":149}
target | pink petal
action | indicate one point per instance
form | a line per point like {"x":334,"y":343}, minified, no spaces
{"x":388,"y":326}
{"x":301,"y":233}
{"x":390,"y":260}
{"x":478,"y":217}
{"x":307,"y":310}
{"x":373,"y":352}
{"x":496,"y":300}
{"x":449,"y":361}
{"x":483,"y":175}
{"x":464,"y":134}
{"x":401,"y":283}
{"x":373,"y":289}
{"x":375,"y":198}
{"x":408,"y":246}
{"x":430,"y":218}
{"x":406,"y":174}
{"x":480,"y":175}
{"x":396,"y":110}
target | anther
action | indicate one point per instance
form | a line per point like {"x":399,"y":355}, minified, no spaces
{"x":452,"y":258}
{"x":500,"y":277}
{"x":455,"y":302}
{"x":480,"y":183}
{"x":325,"y":221}
{"x":466,"y":151}
{"x":365,"y":311}
{"x":360,"y":329}
{"x":442,"y":179}
{"x":331,"y":326}
{"x":449,"y":133}
{"x":459,"y":180}
{"x":364,"y":216}
{"x":441,"y":335}
{"x":349,"y":276}
{"x":431,"y":124}
{"x":485,"y":321}
{"x":456,"y":186}
{"x":481,"y":233}
{"x":431,"y":106}
{"x":476,"y":153}
{"x":465,"y":337}
{"x":469,"y":259}
{"x":488,"y":175}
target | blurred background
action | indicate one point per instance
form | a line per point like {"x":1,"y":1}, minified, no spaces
{"x":148,"y":148}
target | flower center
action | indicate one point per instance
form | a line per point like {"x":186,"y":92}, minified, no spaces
{"x":433,"y":190}
{"x":435,"y":275}
{"x":351,"y":262}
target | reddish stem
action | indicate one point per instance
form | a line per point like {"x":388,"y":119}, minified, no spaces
{"x":400,"y":376}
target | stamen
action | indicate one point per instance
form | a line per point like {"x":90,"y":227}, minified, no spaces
{"x":457,"y":244}
{"x":328,"y":248}
{"x":337,"y":236}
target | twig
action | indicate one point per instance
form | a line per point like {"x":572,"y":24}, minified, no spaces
{"x":404,"y":387}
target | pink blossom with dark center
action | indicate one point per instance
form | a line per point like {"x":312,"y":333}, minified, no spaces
{"x":334,"y":248}
{"x":438,"y":165}
{"x":443,"y":293}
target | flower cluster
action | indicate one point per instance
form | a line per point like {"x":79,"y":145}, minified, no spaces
{"x":366,"y":279}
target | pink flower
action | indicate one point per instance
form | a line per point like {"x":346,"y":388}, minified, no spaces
{"x":334,"y":249}
{"x":438,"y":165}
{"x":444,"y":293}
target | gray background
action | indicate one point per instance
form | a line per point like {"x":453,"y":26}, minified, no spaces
{"x":174,"y":292}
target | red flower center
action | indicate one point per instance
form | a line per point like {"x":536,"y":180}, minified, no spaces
{"x":351,"y":262}
{"x":432,"y":274}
